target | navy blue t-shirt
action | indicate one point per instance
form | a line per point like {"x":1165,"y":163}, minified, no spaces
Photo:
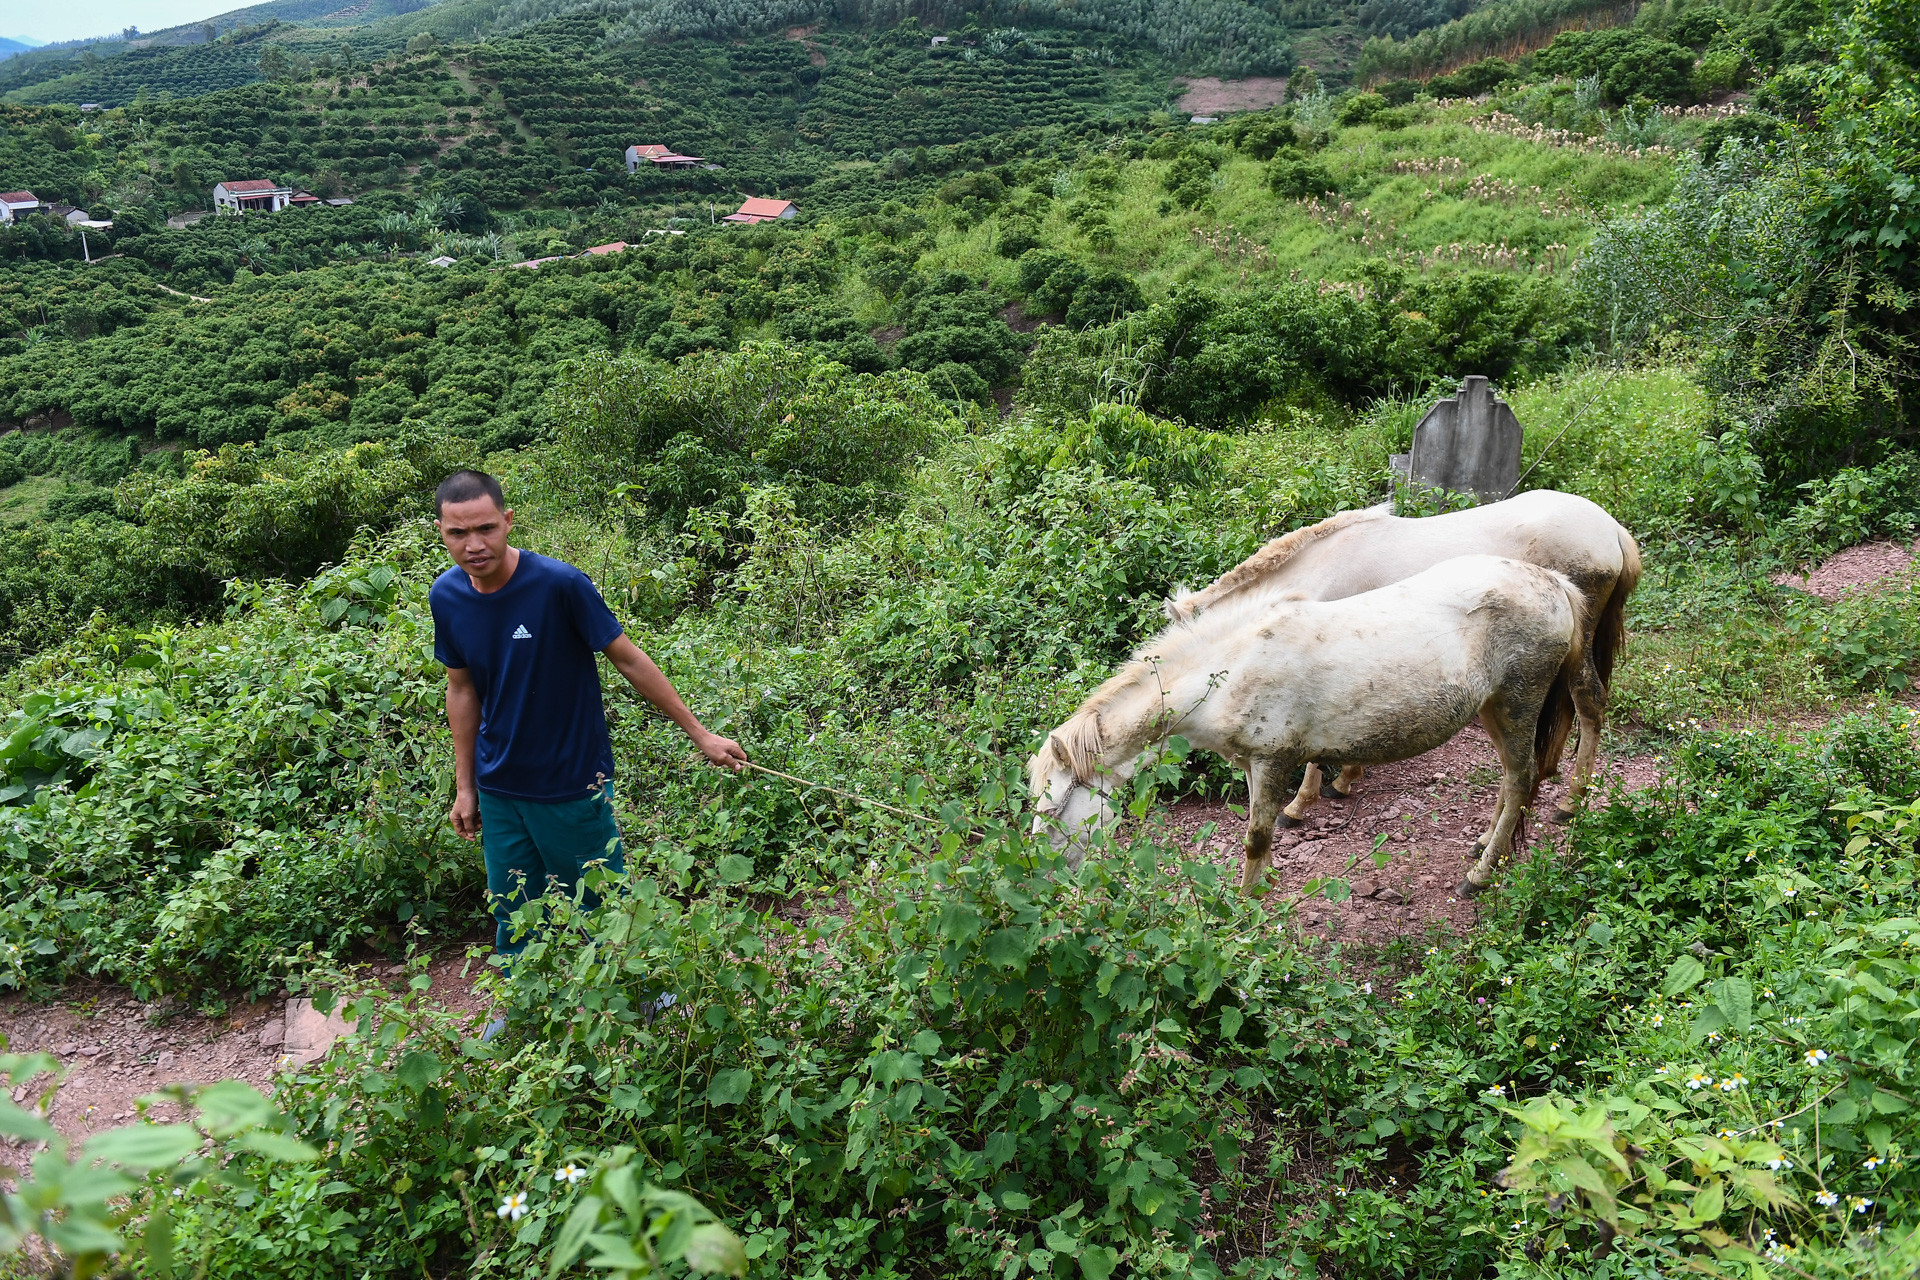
{"x":528,"y":648}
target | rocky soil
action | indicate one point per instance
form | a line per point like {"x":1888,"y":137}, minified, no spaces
{"x":1862,"y":565}
{"x":117,"y":1049}
{"x":1431,"y":809}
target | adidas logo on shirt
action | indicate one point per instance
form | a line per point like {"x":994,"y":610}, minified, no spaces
{"x":521,"y":633}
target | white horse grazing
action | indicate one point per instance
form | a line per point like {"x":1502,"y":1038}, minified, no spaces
{"x":1358,"y":551}
{"x":1270,"y":683}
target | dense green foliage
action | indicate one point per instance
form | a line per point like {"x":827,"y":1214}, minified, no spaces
{"x":171,"y":808}
{"x":983,"y":1060}
{"x":886,"y":491}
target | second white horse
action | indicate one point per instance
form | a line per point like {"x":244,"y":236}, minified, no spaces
{"x":1271,"y":683}
{"x":1358,"y":551}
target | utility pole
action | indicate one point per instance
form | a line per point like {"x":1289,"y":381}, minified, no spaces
{"x":84,"y":251}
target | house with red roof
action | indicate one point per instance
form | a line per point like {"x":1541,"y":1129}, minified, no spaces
{"x":759,"y":209}
{"x":17,"y":204}
{"x":660,"y":156}
{"x":251,"y":195}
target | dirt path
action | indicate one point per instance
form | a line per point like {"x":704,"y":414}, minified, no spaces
{"x":117,"y":1049}
{"x":1431,"y":809}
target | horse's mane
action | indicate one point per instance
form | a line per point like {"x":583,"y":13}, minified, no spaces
{"x":1183,"y":604}
{"x":1079,"y":742}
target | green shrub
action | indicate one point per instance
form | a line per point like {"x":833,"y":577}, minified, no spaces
{"x":1850,"y":506}
{"x":1103,"y":297}
{"x":1473,"y":79}
{"x":1165,"y":456}
{"x":278,"y":512}
{"x":959,"y":383}
{"x":172,"y":816}
{"x":1261,"y":136}
{"x":1293,"y":177}
{"x":1867,"y":641}
{"x":1721,"y":71}
{"x":1361,"y":108}
{"x":690,"y":435}
{"x":1189,"y":179}
{"x":1019,"y":234}
{"x":1631,"y":64}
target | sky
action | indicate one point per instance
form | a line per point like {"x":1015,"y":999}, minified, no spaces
{"x":47,"y":20}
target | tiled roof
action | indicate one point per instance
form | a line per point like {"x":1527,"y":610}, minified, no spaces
{"x":758,"y":207}
{"x":251,"y":186}
{"x":615,"y":247}
{"x":19,"y":197}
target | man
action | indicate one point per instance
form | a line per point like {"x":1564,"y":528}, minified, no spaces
{"x":533,"y":766}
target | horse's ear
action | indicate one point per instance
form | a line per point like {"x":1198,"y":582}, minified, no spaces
{"x":1060,"y":751}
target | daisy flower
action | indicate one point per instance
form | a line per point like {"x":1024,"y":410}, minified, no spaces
{"x":569,"y":1174}
{"x":1699,"y":1080}
{"x":1732,"y":1082}
{"x":1827,"y":1199}
{"x":1860,"y":1203}
{"x":513,"y":1207}
{"x":1816,"y":1056}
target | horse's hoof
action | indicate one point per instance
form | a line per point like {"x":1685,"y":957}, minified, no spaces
{"x":1562,"y":814}
{"x":1468,"y":889}
{"x":1486,"y":838}
{"x":1284,"y":821}
{"x":1335,"y":793}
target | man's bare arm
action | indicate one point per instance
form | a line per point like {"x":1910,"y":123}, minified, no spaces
{"x":463,"y":717}
{"x":654,"y":686}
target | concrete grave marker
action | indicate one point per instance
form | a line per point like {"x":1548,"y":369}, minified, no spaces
{"x":1467,"y":443}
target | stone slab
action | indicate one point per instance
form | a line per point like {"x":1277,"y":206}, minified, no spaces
{"x":309,"y":1034}
{"x":1468,"y":443}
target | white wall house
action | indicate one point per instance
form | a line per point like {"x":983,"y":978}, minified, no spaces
{"x":17,"y":204}
{"x":660,"y":156}
{"x":250,"y":195}
{"x":759,"y":209}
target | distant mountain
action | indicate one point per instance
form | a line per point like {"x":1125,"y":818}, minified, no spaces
{"x":10,"y":47}
{"x":320,"y":13}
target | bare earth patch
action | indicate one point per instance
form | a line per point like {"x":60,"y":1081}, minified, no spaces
{"x":1431,"y":808}
{"x":1212,"y":96}
{"x":1861,"y":565}
{"x":117,"y":1049}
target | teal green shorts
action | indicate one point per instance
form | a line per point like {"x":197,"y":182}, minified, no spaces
{"x":532,"y":846}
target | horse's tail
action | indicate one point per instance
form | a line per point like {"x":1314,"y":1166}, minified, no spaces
{"x":1557,"y":712}
{"x":1610,"y":629}
{"x":1609,"y":633}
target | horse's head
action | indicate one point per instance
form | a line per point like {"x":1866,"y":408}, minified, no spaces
{"x":1070,"y":789}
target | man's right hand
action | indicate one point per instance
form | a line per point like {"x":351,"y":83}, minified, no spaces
{"x":465,"y":814}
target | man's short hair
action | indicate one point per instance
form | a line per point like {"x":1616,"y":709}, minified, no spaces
{"x":465,"y":486}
